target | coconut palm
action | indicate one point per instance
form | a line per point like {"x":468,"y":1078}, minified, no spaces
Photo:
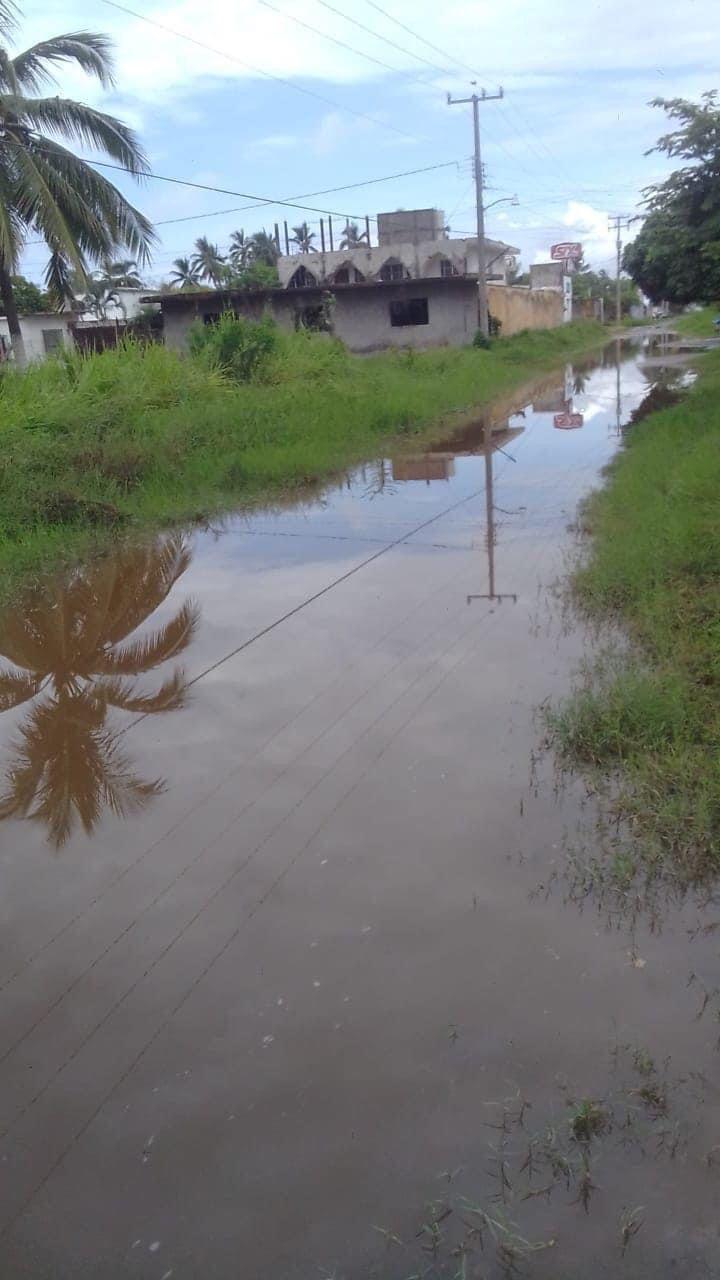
{"x":98,"y":296}
{"x":185,"y":274}
{"x":263,"y":248}
{"x":209,"y":263}
{"x":240,"y":250}
{"x":352,"y":236}
{"x":121,"y":274}
{"x":72,"y":657}
{"x":303,"y":237}
{"x":45,"y":190}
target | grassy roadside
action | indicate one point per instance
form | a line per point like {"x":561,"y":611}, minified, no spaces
{"x":697,"y":324}
{"x":649,"y":719}
{"x":140,"y":437}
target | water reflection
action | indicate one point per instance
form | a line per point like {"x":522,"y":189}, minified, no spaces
{"x":72,"y":658}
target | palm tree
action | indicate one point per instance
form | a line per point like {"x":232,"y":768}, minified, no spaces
{"x":98,"y":296}
{"x":263,"y":248}
{"x":303,"y":237}
{"x":208,"y":261}
{"x":66,"y":647}
{"x":47,"y":191}
{"x":352,"y":236}
{"x":240,"y":250}
{"x":121,"y":274}
{"x":185,"y":274}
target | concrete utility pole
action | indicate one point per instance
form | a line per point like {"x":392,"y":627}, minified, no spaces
{"x":616,"y":223}
{"x":476,"y":99}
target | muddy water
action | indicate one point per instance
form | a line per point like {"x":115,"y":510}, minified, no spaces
{"x":296,"y":977}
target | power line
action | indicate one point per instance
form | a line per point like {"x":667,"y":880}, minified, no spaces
{"x":435,"y":48}
{"x":305,"y":195}
{"x":324,"y":36}
{"x":376,"y":35}
{"x":269,"y":75}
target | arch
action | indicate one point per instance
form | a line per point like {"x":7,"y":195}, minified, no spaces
{"x":301,"y":279}
{"x":347,"y":273}
{"x":393,"y":269}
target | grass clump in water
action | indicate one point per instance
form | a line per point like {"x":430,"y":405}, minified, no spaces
{"x":142,"y":435}
{"x":651,"y":718}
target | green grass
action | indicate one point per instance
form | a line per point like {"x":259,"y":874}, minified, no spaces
{"x":142,"y":436}
{"x":697,"y":324}
{"x":650,"y":717}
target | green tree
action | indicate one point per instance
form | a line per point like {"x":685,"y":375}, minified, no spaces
{"x":303,"y":237}
{"x":98,"y":296}
{"x":352,"y":236}
{"x":28,"y":298}
{"x":676,"y":256}
{"x":240,"y":250}
{"x":263,"y":248}
{"x":208,"y":262}
{"x":184,"y":275}
{"x":44,"y":188}
{"x":122,"y":273}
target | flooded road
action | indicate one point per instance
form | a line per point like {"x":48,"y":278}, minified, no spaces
{"x":294,"y":981}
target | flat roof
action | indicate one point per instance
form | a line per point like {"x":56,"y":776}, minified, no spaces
{"x":208,"y":295}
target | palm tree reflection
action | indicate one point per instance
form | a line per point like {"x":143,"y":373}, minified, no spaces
{"x":66,"y":646}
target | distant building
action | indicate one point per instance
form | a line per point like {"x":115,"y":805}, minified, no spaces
{"x":43,"y":333}
{"x":412,"y":244}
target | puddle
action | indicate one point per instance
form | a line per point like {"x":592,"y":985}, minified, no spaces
{"x":288,"y":887}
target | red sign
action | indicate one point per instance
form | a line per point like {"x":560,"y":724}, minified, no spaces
{"x":568,"y":421}
{"x":569,"y":249}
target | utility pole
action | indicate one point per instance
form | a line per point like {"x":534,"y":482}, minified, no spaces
{"x":476,"y":99}
{"x":616,"y":223}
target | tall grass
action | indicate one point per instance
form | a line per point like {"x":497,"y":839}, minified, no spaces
{"x":697,"y":324}
{"x":142,"y":435}
{"x":654,"y":567}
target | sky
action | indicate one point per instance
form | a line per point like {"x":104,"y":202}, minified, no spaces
{"x":275,"y":99}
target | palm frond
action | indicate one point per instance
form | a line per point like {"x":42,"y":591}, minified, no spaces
{"x":80,"y":123}
{"x":119,"y":693}
{"x":8,"y":17}
{"x":90,"y":50}
{"x":17,"y":687}
{"x":149,"y":652}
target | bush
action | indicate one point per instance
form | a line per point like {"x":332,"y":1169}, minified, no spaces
{"x":240,"y":348}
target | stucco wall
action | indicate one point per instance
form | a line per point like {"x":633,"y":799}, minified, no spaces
{"x":520,"y":308}
{"x":32,"y":332}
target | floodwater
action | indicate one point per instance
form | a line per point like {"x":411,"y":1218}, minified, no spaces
{"x":296,"y":979}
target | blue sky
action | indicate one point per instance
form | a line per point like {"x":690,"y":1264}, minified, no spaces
{"x":568,"y":138}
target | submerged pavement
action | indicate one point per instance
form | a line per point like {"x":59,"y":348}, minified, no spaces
{"x":284,"y":894}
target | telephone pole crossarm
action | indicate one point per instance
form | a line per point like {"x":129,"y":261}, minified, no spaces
{"x":476,"y":99}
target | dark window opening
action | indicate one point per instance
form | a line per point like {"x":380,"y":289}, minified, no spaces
{"x":412,"y":311}
{"x":348,"y":275}
{"x":392,"y":271}
{"x":448,"y":268}
{"x":211,"y":317}
{"x":302,"y":279}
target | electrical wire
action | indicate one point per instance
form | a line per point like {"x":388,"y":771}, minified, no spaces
{"x":443,"y":71}
{"x":332,"y":39}
{"x":269,"y":75}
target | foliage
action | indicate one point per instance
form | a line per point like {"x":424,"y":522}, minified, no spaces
{"x":303,"y":238}
{"x":263,"y":248}
{"x":654,"y":565}
{"x":676,"y":256}
{"x":185,"y":274}
{"x":47,"y":190}
{"x":208,"y":263}
{"x":352,"y":236}
{"x":28,"y":298}
{"x":256,"y":275}
{"x":240,"y":348}
{"x":143,"y":434}
{"x":600,"y":284}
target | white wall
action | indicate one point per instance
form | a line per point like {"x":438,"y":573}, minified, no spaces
{"x":32,"y":331}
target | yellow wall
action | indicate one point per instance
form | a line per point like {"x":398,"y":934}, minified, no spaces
{"x":520,"y":308}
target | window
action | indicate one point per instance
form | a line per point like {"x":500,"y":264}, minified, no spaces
{"x":448,"y":268}
{"x":52,"y":339}
{"x":301,"y":279}
{"x":412,"y":311}
{"x":348,"y":275}
{"x":392,"y":270}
